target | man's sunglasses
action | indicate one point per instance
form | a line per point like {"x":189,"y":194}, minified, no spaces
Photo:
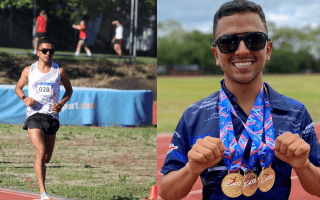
{"x":44,"y":51}
{"x":228,"y":44}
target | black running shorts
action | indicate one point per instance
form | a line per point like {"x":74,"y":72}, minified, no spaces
{"x":47,"y":123}
{"x":118,"y":41}
{"x":40,"y":34}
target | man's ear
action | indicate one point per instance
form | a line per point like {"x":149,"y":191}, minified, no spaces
{"x":269,"y":50}
{"x":215,"y":53}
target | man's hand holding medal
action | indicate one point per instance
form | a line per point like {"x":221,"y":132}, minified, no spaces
{"x":206,"y":153}
{"x":290,"y":148}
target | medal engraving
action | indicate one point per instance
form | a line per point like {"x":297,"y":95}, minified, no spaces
{"x":231,"y":185}
{"x":249,"y":184}
{"x":266,"y":179}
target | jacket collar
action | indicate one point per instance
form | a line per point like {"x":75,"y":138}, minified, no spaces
{"x":277,"y":101}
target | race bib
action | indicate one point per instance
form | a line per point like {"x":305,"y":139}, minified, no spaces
{"x":44,"y":88}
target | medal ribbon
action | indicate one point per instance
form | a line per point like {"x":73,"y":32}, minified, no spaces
{"x":254,"y":122}
{"x":231,"y":159}
{"x":254,"y":129}
{"x":266,"y":154}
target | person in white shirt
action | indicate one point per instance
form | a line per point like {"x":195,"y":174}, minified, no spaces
{"x":118,"y":38}
{"x":43,"y":107}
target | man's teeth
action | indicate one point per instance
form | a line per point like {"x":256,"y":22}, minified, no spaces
{"x":243,"y":64}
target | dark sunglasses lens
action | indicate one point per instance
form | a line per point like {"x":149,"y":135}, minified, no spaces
{"x":228,"y":44}
{"x":44,"y":51}
{"x":255,"y":41}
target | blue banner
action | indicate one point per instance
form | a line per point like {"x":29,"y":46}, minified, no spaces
{"x":87,"y":106}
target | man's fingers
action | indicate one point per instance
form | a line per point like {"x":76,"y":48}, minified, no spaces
{"x":217,"y":142}
{"x":289,"y":144}
{"x":207,"y":149}
{"x":213,"y":147}
{"x":56,"y":106}
{"x":206,"y":152}
{"x":196,"y":156}
{"x":304,"y":148}
{"x":280,"y":139}
{"x":31,"y":102}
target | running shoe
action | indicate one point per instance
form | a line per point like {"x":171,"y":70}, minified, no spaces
{"x":44,"y":195}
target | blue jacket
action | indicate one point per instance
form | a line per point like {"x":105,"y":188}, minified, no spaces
{"x":202,"y":119}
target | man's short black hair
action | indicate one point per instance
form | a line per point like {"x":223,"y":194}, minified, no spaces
{"x":44,"y":40}
{"x":237,"y":6}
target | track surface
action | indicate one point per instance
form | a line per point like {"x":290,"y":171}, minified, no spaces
{"x":163,"y":142}
{"x":13,"y":194}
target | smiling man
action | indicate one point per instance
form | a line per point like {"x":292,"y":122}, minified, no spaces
{"x":244,"y":140}
{"x":43,"y":108}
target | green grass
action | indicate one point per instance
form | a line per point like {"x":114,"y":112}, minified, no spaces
{"x":139,"y":59}
{"x":87,"y":162}
{"x":175,"y":94}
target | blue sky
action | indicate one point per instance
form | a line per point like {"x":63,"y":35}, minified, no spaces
{"x":193,"y":14}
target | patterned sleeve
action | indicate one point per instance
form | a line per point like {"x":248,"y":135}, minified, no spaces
{"x":309,"y":135}
{"x":177,"y":155}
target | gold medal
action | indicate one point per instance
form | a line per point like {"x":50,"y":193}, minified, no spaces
{"x":231,"y":185}
{"x":266,"y":179}
{"x":249,"y":184}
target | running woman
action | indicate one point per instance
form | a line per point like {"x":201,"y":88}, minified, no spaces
{"x":43,"y":107}
{"x":118,"y":37}
{"x":82,"y":37}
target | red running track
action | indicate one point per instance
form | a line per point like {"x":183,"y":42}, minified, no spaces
{"x":8,"y":194}
{"x":163,"y":142}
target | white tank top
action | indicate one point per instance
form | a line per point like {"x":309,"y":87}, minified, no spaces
{"x":45,"y":89}
{"x":119,"y":32}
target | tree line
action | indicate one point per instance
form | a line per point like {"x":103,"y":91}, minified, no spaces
{"x":16,"y":23}
{"x":295,"y":50}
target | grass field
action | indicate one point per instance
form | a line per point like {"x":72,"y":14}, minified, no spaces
{"x":139,"y":59}
{"x":87,"y":163}
{"x":175,"y":94}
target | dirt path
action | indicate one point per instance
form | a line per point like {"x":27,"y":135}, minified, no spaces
{"x":98,"y":73}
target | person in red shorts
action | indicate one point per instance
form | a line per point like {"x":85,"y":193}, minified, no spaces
{"x":83,"y":36}
{"x":41,"y":29}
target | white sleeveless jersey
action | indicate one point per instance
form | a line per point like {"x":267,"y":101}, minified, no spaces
{"x":45,"y":89}
{"x":119,"y":32}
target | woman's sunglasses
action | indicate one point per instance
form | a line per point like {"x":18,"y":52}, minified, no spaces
{"x":44,"y":51}
{"x":228,"y":44}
